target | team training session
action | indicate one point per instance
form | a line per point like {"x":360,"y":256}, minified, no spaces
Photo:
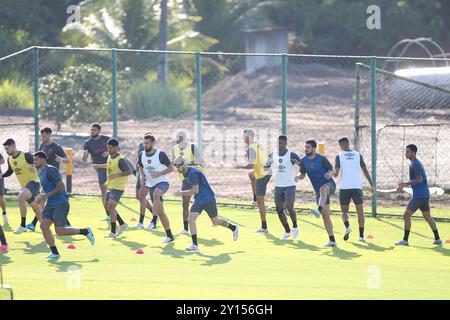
{"x":218,"y":150}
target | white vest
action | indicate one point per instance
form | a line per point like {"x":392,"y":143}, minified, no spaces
{"x":285,"y":176}
{"x":152,"y":164}
{"x":350,"y":170}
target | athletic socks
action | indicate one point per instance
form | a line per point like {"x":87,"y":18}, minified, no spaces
{"x":361,"y":232}
{"x":320,"y":209}
{"x":294,"y":224}
{"x":254,"y":197}
{"x":68,"y":223}
{"x":22,"y":222}
{"x":141,"y":218}
{"x":154,"y":220}
{"x":84,"y":232}
{"x":113,"y":227}
{"x":35,"y":221}
{"x":332,"y":239}
{"x":2,"y":237}
{"x":264,"y":224}
{"x":169,"y":234}
{"x":346,"y":224}
{"x":286,"y":227}
{"x":119,"y":219}
{"x":406,"y":236}
{"x":194,"y":239}
{"x":54,"y":250}
{"x":436,"y":234}
{"x":232,"y":227}
{"x":107,"y":212}
{"x":186,"y":225}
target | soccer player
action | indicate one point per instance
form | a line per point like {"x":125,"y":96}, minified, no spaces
{"x":22,"y":164}
{"x":141,"y":195}
{"x":257,"y":158}
{"x":190,"y":152}
{"x":2,"y":193}
{"x":204,"y":199}
{"x":285,"y":187}
{"x":118,"y":170}
{"x":97,"y":149}
{"x":55,"y":153}
{"x":349,"y":164}
{"x":155,"y":165}
{"x":319,"y":171}
{"x":57,"y":205}
{"x":421,"y":196}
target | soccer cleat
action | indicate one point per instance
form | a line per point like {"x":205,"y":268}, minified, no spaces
{"x":285,"y":236}
{"x":168,"y":240}
{"x":362,"y":239}
{"x":295,"y":233}
{"x":122,"y":229}
{"x":111,"y":235}
{"x":437,"y":242}
{"x":105,"y":218}
{"x":262,"y":230}
{"x":139,"y":226}
{"x":20,"y":230}
{"x":315,"y":212}
{"x":183,"y":232}
{"x":331,"y":244}
{"x":150,"y":227}
{"x":52,"y":256}
{"x":4,"y":248}
{"x":5,"y":220}
{"x":193,"y":248}
{"x":402,"y":243}
{"x":347,"y":233}
{"x":31,"y":227}
{"x":90,"y":236}
{"x":236,"y":233}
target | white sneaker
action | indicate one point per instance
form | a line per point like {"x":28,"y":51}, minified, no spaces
{"x":402,"y":243}
{"x":315,"y":212}
{"x":168,"y":240}
{"x":437,"y":242}
{"x":347,"y":233}
{"x":330,"y":244}
{"x":5,"y":220}
{"x":20,"y":230}
{"x":193,"y":248}
{"x":122,"y":229}
{"x":150,"y":227}
{"x":236,"y":233}
{"x":139,"y":226}
{"x":111,"y":235}
{"x":183,"y":233}
{"x":262,"y":230}
{"x":295,"y":233}
{"x":285,"y":236}
{"x":362,"y":239}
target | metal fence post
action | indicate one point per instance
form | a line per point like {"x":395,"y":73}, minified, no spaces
{"x":36,"y":96}
{"x":283,"y":93}
{"x":198,"y":87}
{"x":357,"y":141}
{"x":114,"y":93}
{"x":373,"y":116}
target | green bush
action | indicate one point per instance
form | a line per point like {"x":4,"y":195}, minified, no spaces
{"x":149,"y":98}
{"x":15,"y":94}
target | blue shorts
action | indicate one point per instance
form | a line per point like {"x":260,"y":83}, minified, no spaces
{"x":101,"y":176}
{"x":57,"y":213}
{"x":210,"y":208}
{"x":419,"y":203}
{"x":114,"y":195}
{"x":163,"y":186}
{"x":34,"y":188}
{"x":332,"y":191}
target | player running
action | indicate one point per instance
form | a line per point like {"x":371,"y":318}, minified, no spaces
{"x":421,"y":196}
{"x":154,"y":166}
{"x":285,"y":187}
{"x":97,"y":149}
{"x":57,"y":207}
{"x":319,"y":171}
{"x":141,"y":195}
{"x":55,"y":153}
{"x":22,"y":164}
{"x":349,"y":164}
{"x":2,"y":194}
{"x":190,"y":152}
{"x":118,"y":170}
{"x":257,"y":157}
{"x":204,"y":199}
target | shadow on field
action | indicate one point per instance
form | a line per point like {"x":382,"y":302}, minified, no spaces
{"x":312,"y":223}
{"x":210,"y":242}
{"x":33,"y":249}
{"x":66,"y":266}
{"x":4,"y":259}
{"x":439,"y":249}
{"x":401,"y":228}
{"x":169,"y":250}
{"x":131,"y":244}
{"x":220,"y":259}
{"x":342,"y":254}
{"x":296,"y":244}
{"x":373,"y":247}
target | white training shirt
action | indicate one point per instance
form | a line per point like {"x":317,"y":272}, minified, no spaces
{"x":284,"y":169}
{"x":350,"y":170}
{"x":152,"y":164}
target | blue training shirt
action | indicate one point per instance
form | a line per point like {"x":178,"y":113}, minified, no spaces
{"x":50,"y":178}
{"x":194,"y":176}
{"x":420,"y":190}
{"x":316,"y":170}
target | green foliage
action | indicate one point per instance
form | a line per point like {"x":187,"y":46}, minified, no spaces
{"x":15,"y":94}
{"x":150,"y":98}
{"x":77,"y":94}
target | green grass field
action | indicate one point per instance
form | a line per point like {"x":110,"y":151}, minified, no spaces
{"x":257,"y":266}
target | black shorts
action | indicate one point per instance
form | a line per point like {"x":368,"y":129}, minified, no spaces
{"x":346,"y":195}
{"x":210,"y":208}
{"x":332,"y":191}
{"x":57,"y":213}
{"x":285,"y":194}
{"x":163,"y":186}
{"x":34,"y":188}
{"x":114,"y":195}
{"x":419,"y":203}
{"x":2,"y":187}
{"x":101,"y":176}
{"x":261,"y":185}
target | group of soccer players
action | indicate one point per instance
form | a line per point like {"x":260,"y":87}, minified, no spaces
{"x":152,"y":170}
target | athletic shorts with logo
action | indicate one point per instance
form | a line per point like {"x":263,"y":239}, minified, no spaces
{"x":57,"y":213}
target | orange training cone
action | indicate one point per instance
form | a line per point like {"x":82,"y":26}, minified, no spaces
{"x":370,"y":236}
{"x":139,"y":251}
{"x":71,"y":246}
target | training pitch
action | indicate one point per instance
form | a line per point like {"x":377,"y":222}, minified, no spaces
{"x":257,"y":266}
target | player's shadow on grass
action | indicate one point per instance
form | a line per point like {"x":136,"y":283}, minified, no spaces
{"x":4,"y":259}
{"x":312,"y":223}
{"x":66,"y":266}
{"x":374,"y":247}
{"x":210,"y":242}
{"x":297,"y":244}
{"x":440,"y":249}
{"x":220,"y":259}
{"x":131,"y":244}
{"x":341,"y":254}
{"x":33,"y":249}
{"x":71,"y":239}
{"x":402,"y":228}
{"x":170,"y":250}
